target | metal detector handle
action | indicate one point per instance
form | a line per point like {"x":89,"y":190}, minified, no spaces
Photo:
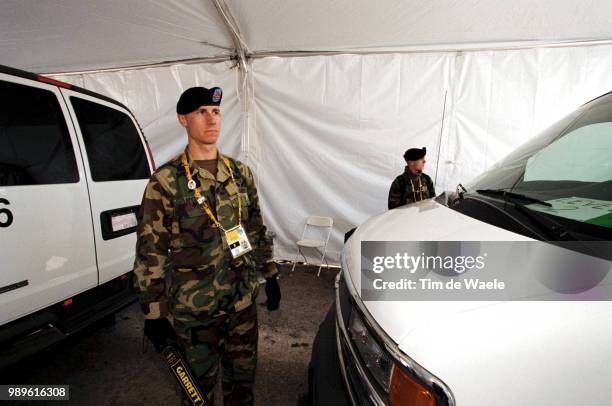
{"x":182,"y":373}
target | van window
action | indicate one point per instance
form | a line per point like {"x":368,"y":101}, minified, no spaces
{"x":582,"y":155}
{"x":113,"y":145}
{"x":568,"y":167}
{"x":35,"y":146}
{"x":570,"y":159}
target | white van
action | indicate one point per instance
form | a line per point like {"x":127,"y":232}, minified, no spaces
{"x":73,"y":167}
{"x":555,"y":188}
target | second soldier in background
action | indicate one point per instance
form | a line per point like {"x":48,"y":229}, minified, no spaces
{"x":412,"y":185}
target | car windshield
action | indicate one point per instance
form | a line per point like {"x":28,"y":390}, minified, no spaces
{"x":567,"y":168}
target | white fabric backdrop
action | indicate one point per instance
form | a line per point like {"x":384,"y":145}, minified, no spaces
{"x":328,"y":132}
{"x":151,"y":94}
{"x":331,"y":131}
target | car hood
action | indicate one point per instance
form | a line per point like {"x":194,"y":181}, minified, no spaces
{"x":427,"y":220}
{"x":523,"y":349}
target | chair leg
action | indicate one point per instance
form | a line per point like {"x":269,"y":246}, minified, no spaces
{"x":322,"y":259}
{"x":295,"y":262}
{"x":304,"y":256}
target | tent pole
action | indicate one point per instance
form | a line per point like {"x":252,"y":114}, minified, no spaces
{"x":440,"y":138}
{"x":214,"y":59}
{"x":295,"y":54}
{"x":423,"y":49}
{"x":242,"y":55}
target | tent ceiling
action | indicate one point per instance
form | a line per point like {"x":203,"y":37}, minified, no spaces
{"x":283,"y":25}
{"x":68,"y":35}
{"x":72,"y":35}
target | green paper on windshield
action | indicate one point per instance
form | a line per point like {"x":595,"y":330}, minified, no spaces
{"x":592,"y":211}
{"x":603,"y":221}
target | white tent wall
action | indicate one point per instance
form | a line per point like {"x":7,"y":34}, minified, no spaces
{"x":500,"y":99}
{"x":331,"y":130}
{"x":151,"y":94}
{"x":328,"y":132}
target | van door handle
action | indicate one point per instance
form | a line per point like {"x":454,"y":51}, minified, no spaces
{"x":119,"y":222}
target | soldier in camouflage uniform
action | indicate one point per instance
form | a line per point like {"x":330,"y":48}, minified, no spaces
{"x":188,"y":206}
{"x":412,"y":185}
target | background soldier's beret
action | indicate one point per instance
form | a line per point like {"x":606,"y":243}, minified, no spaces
{"x":194,"y":97}
{"x":414,"y":154}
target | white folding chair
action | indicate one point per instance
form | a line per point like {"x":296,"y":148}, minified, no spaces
{"x":321,"y":223}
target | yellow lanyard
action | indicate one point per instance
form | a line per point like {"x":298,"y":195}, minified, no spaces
{"x":414,"y":191}
{"x":198,"y":194}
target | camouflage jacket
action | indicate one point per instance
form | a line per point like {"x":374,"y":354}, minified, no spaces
{"x":173,"y":227}
{"x":408,"y":188}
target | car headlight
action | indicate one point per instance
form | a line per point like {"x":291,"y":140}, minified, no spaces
{"x":402,"y":388}
{"x":373,"y":356}
{"x":405,"y":390}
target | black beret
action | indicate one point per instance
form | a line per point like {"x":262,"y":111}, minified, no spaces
{"x":414,"y":154}
{"x":195,"y":97}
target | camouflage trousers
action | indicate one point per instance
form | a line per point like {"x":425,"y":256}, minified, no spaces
{"x":229,"y":339}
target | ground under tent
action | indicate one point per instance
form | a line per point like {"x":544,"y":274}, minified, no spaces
{"x":321,"y":99}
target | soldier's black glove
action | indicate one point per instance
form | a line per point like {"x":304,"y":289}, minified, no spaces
{"x":159,"y":331}
{"x":273,"y":293}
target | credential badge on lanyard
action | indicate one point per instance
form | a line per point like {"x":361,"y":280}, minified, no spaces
{"x":236,"y":237}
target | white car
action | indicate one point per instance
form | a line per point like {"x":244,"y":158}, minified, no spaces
{"x":73,"y":167}
{"x":556,"y":187}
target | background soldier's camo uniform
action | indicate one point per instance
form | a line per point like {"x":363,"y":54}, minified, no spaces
{"x":402,"y":192}
{"x":211,"y":296}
